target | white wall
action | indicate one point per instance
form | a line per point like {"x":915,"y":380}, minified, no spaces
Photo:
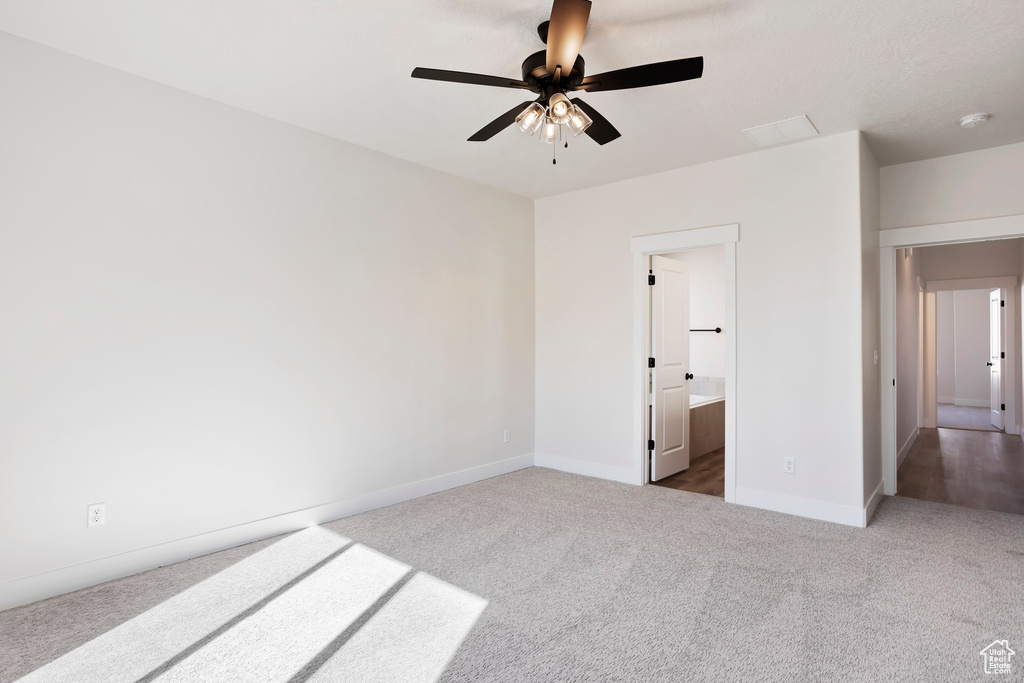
{"x":211,"y":318}
{"x":707,"y":309}
{"x":971,"y":323}
{"x":982,"y":184}
{"x":908,"y":313}
{"x":1019,"y":331}
{"x":799,"y":337}
{"x":945,"y":347}
{"x":871,"y":414}
{"x":995,"y":258}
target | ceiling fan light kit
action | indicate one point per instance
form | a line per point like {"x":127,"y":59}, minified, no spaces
{"x":531,"y":119}
{"x":545,"y":74}
{"x":579,"y":121}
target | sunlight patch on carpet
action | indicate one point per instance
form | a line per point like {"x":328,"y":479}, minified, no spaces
{"x":412,"y":638}
{"x":309,"y":601}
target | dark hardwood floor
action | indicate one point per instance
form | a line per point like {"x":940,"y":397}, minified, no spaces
{"x":983,"y":470}
{"x":706,"y":475}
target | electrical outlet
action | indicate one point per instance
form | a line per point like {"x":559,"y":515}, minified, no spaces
{"x":508,"y":435}
{"x":790,"y":466}
{"x":97,"y":514}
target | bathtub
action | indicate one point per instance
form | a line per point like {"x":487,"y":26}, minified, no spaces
{"x":707,"y":424}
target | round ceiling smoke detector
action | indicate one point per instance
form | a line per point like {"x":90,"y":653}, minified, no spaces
{"x":972,"y":120}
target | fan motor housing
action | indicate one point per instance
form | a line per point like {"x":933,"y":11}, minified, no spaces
{"x":535,"y":72}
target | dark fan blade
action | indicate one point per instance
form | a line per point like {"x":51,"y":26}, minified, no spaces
{"x":643,"y":76}
{"x":472,"y":79}
{"x":602,"y":131}
{"x":566,"y":29}
{"x":499,"y":124}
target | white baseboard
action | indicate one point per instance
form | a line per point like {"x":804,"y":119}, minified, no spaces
{"x":48,"y":584}
{"x":851,"y":515}
{"x":907,"y":446}
{"x":589,"y":469}
{"x":873,"y":501}
{"x":950,"y":400}
{"x":972,"y":402}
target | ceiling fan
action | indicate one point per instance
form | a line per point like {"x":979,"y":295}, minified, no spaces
{"x":559,"y":70}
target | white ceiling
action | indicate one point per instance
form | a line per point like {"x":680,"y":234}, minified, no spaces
{"x":904,"y":71}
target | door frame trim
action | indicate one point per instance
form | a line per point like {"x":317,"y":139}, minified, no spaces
{"x":959,"y":232}
{"x":725,"y":236}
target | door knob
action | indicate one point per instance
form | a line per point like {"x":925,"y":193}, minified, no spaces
{"x":689,"y":376}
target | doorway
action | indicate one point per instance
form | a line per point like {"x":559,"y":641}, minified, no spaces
{"x":970,"y":352}
{"x":954,"y":350}
{"x":686,"y":377}
{"x":665,"y":387}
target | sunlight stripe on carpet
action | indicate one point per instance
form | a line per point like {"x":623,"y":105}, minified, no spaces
{"x":278,"y":640}
{"x":411,"y":639}
{"x":142,"y":644}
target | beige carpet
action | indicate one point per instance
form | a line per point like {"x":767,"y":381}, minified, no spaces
{"x":583,"y":580}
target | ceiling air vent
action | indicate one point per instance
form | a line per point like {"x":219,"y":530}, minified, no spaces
{"x":777,"y":133}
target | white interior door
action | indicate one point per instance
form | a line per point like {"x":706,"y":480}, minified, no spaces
{"x":995,"y":341}
{"x":670,"y":348}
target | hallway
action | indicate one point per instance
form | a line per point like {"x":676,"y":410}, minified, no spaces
{"x":981,"y":470}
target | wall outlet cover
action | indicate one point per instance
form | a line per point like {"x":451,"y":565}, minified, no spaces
{"x":789,"y":466}
{"x":97,"y":514}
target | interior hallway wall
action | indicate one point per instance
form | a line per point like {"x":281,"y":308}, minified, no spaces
{"x":870,"y":386}
{"x":211,"y":318}
{"x":960,"y":187}
{"x":1019,"y":327}
{"x":945,"y":347}
{"x":993,"y":258}
{"x":908,"y":314}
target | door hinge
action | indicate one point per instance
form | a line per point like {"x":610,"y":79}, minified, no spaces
{"x":894,"y":382}
{"x":1002,"y":406}
{"x":1002,"y":354}
{"x":650,"y":444}
{"x":650,"y":362}
{"x":650,"y":279}
{"x":1002,"y":304}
